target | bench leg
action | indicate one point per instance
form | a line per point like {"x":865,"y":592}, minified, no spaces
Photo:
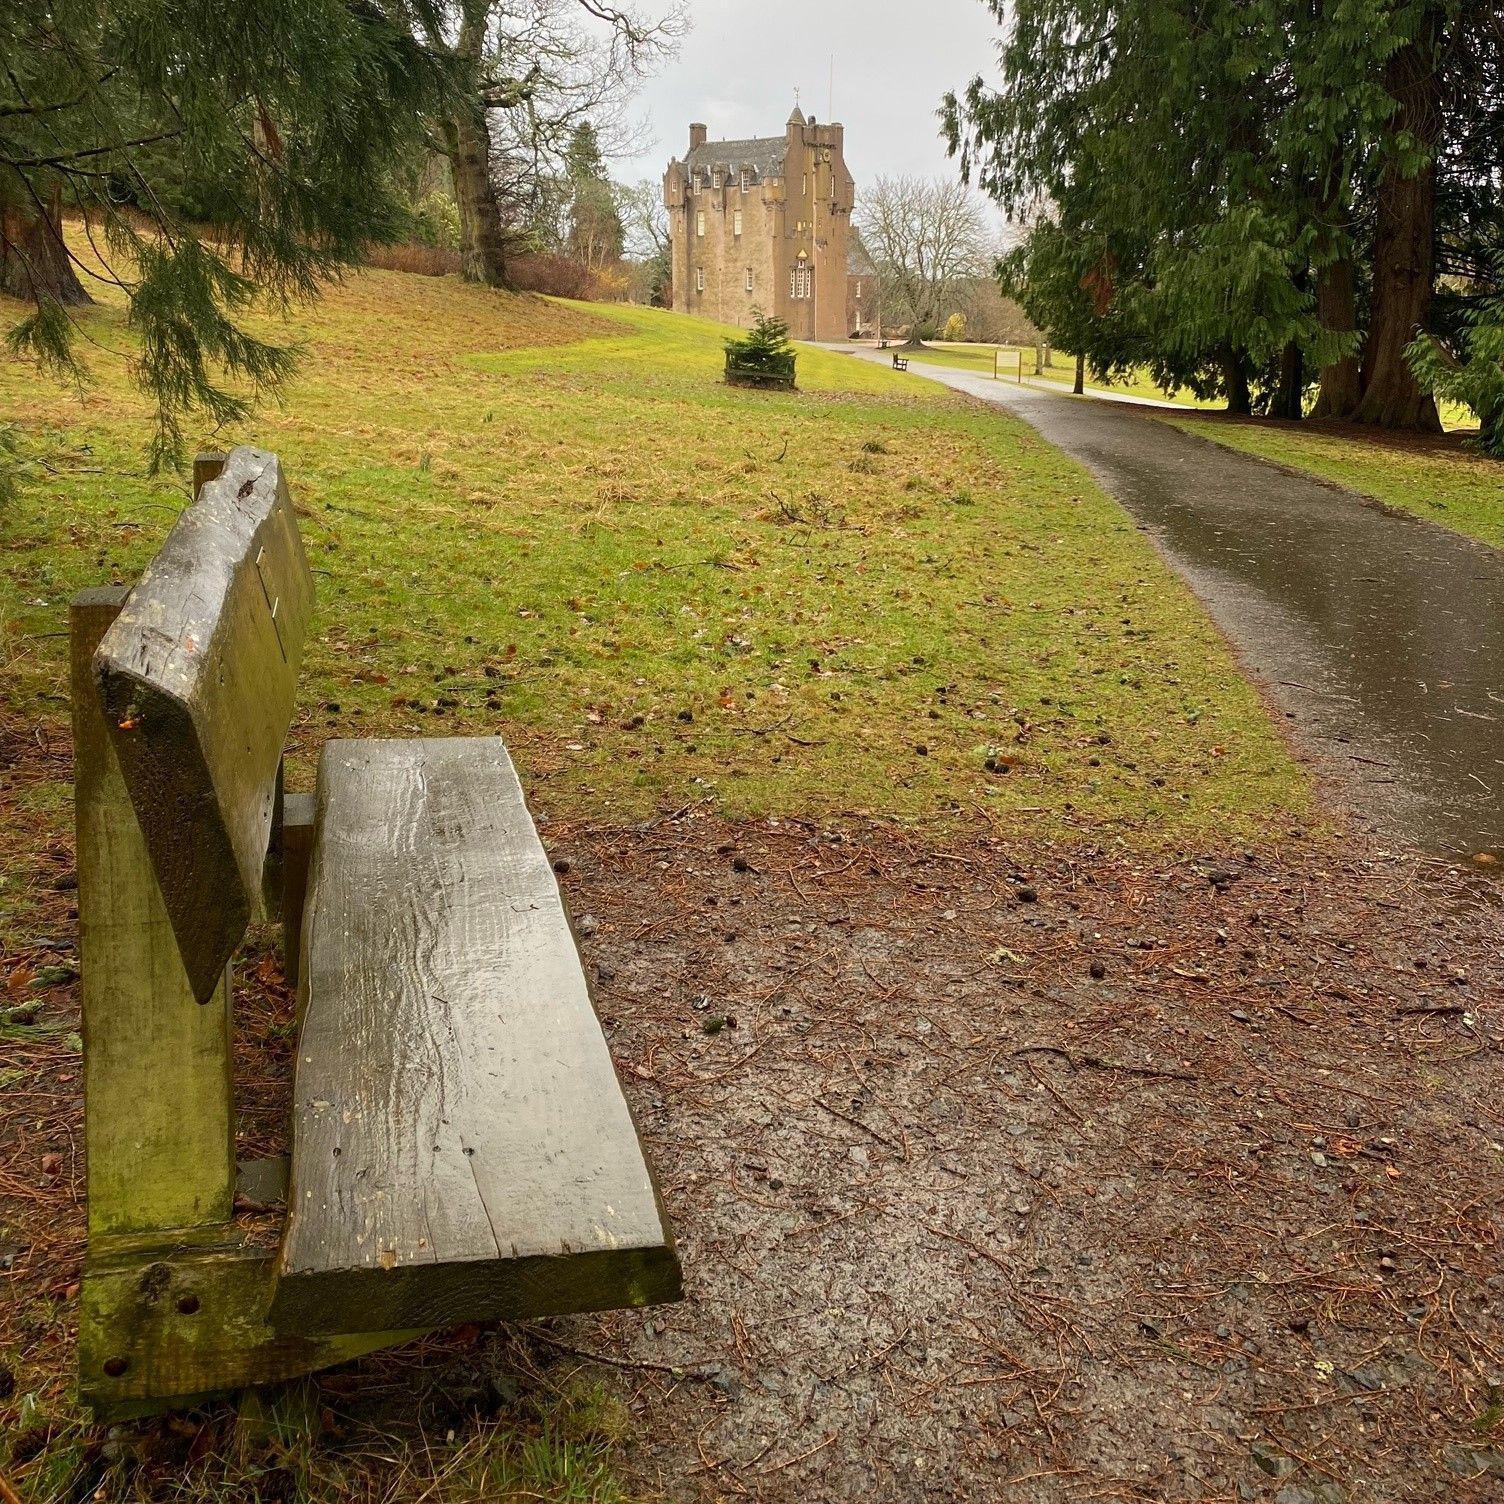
{"x":296,"y":850}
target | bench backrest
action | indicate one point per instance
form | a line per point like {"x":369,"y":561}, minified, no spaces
{"x":197,"y":676}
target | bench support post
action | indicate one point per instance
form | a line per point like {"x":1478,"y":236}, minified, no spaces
{"x":295,"y":850}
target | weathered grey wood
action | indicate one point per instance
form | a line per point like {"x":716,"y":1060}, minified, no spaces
{"x":197,"y":675}
{"x":162,"y":1328}
{"x":461,"y":1146}
{"x":158,"y":1110}
{"x":294,"y":843}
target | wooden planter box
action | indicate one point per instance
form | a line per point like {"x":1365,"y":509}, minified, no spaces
{"x":776,"y":380}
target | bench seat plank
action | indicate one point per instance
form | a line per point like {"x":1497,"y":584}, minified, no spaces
{"x":461,"y":1149}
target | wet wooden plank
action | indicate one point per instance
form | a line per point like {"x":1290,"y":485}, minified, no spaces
{"x":197,"y":676}
{"x":461,"y":1146}
{"x":158,"y":1102}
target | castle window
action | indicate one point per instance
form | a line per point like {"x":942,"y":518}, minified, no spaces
{"x":744,"y":179}
{"x":700,"y":223}
{"x":736,"y":222}
{"x":793,"y":282}
{"x":749,"y":279}
{"x":699,"y":279}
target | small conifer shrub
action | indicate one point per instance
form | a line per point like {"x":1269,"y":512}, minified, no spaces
{"x":763,"y":356}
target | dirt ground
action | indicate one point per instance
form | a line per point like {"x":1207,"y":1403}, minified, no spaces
{"x":994,"y":1176}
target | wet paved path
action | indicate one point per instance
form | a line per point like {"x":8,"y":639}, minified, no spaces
{"x":1381,"y":636}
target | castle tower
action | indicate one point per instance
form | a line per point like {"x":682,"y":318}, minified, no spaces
{"x":763,"y":223}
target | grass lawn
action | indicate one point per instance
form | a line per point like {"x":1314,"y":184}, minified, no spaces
{"x":1061,"y":368}
{"x":1438,"y":479}
{"x":555,"y":522}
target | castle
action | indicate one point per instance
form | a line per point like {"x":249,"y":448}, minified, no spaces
{"x":764,"y":224}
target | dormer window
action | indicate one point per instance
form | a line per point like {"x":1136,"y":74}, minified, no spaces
{"x":744,"y":180}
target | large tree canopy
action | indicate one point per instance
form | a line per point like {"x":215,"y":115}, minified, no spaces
{"x":275,"y":123}
{"x":1245,"y":192}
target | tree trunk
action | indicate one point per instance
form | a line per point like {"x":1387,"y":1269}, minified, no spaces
{"x":467,"y":144}
{"x":34,"y":261}
{"x":1337,"y":311}
{"x":483,"y":240}
{"x":1404,"y":268}
{"x":1289,"y":400}
{"x":1079,"y":388}
{"x":1235,"y":379}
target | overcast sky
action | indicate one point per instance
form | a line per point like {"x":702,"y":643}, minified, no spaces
{"x":738,"y":68}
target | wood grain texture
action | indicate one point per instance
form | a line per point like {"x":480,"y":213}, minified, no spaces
{"x":197,"y":676}
{"x":158,"y":1108}
{"x":461,"y":1146}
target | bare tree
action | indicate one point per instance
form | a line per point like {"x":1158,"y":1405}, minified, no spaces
{"x":924,"y":235}
{"x":645,"y":220}
{"x":537,"y":70}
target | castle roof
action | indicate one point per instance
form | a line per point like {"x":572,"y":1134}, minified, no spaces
{"x":763,"y":154}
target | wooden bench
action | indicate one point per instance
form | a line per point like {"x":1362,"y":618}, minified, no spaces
{"x":460,"y":1146}
{"x":900,"y":362}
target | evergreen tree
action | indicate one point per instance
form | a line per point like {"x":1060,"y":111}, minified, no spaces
{"x":764,"y":347}
{"x":285,"y":117}
{"x":1241,"y":167}
{"x":596,"y":236}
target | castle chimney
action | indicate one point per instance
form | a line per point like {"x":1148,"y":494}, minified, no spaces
{"x":696,"y":135}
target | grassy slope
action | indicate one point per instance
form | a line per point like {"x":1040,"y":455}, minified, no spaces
{"x":1441,"y":481}
{"x":662,"y":589}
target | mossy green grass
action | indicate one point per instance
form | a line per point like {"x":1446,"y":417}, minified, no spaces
{"x":868,"y":598}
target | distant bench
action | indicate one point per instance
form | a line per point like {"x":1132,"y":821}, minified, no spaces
{"x":900,"y":362}
{"x":460,"y":1147}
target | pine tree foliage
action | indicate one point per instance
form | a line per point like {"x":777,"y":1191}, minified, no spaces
{"x":1470,"y":367}
{"x":286,"y":116}
{"x":765,"y":347}
{"x":1206,"y":179}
